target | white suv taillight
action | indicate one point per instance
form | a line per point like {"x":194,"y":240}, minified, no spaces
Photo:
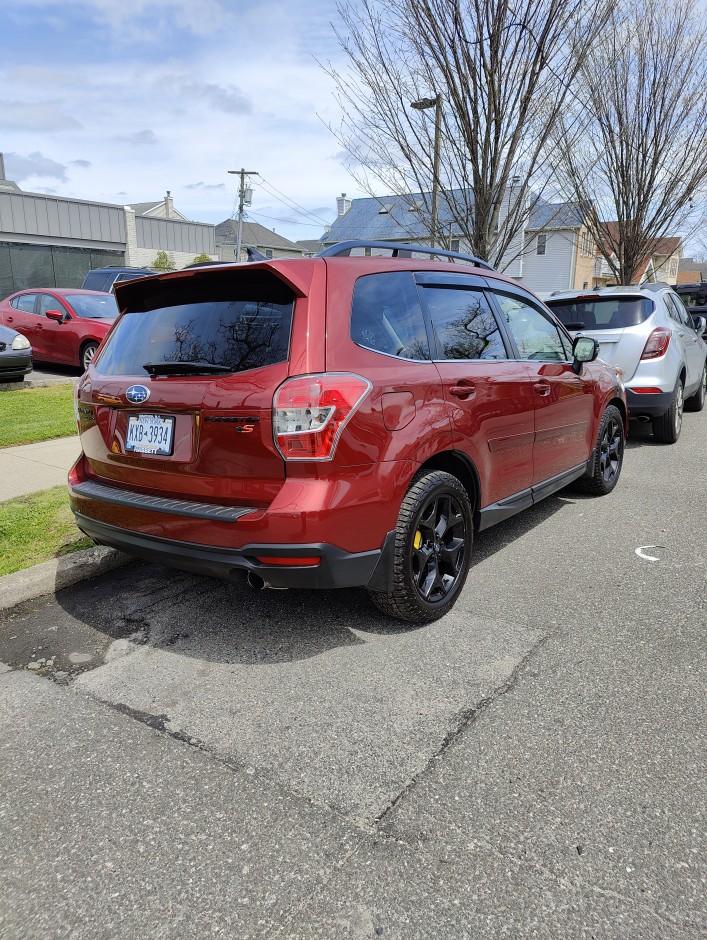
{"x":311,"y":411}
{"x":656,"y":344}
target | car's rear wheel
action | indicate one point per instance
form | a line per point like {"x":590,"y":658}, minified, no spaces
{"x":666,"y":428}
{"x":696,"y":402}
{"x":608,"y":455}
{"x":87,"y":353}
{"x":432,"y":549}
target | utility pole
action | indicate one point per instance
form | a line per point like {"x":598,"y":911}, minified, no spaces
{"x":245,"y":197}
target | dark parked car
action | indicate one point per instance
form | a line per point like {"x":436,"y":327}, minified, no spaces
{"x":694,"y":296}
{"x":336,"y":421}
{"x":103,"y":279}
{"x":64,"y":325}
{"x":15,"y":356}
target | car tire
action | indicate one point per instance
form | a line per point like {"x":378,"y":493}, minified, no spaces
{"x":666,"y":428}
{"x":696,"y":402}
{"x":433,"y":542}
{"x":88,"y":351}
{"x":608,"y":456}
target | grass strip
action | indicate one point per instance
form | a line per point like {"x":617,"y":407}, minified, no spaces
{"x":36,"y":528}
{"x":36,"y":414}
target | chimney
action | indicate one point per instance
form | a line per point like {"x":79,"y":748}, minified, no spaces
{"x":342,"y":205}
{"x":2,"y":167}
{"x":168,"y":205}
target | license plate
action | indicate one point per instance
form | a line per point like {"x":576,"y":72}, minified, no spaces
{"x":150,"y":434}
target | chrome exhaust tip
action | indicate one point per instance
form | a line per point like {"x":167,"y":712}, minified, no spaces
{"x":256,"y":582}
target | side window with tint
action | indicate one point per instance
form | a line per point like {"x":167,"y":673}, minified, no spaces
{"x":535,"y":335}
{"x":464,"y":324}
{"x":25,"y":302}
{"x":386,"y":316}
{"x":47,"y":302}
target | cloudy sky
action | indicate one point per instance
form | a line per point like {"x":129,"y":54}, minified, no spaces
{"x":120,"y":100}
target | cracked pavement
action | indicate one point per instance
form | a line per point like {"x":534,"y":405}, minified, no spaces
{"x":186,"y":758}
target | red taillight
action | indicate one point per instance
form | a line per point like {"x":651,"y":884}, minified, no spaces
{"x":311,"y":411}
{"x":647,"y":391}
{"x":294,"y":561}
{"x":656,"y":344}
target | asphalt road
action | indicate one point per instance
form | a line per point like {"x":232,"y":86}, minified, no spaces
{"x":181,"y":757}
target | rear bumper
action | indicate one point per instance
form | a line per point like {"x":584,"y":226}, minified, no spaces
{"x":336,"y":569}
{"x":652,"y":405}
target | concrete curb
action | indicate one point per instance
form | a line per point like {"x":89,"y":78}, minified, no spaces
{"x":58,"y":573}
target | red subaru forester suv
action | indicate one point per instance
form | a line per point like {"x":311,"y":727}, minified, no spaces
{"x":345,"y":420}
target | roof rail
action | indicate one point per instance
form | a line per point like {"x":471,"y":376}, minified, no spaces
{"x":344,"y":249}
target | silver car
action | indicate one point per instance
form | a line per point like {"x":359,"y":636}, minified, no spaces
{"x":646,"y":332}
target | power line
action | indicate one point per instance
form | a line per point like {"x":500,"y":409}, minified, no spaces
{"x":291,"y":202}
{"x":285,"y":221}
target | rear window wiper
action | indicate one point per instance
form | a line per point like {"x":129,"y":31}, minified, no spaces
{"x":185,"y":368}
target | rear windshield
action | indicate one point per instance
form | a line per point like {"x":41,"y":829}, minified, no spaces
{"x":601,"y":313}
{"x":235,"y":322}
{"x":694,"y":298}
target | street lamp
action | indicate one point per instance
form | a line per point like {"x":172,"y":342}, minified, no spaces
{"x":244,"y":198}
{"x":422,"y":105}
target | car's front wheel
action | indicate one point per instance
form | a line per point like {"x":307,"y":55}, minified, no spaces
{"x":87,"y":354}
{"x":666,"y":428}
{"x":608,"y":455}
{"x":696,"y":402}
{"x":432,"y":549}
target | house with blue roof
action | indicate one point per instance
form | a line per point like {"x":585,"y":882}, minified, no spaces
{"x":554,"y":251}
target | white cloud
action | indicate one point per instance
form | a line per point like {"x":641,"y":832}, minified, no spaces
{"x":35,"y":116}
{"x":144,"y":138}
{"x":173,"y":110}
{"x":19,"y":167}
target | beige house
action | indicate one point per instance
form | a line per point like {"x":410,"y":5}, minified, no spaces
{"x":662,"y":264}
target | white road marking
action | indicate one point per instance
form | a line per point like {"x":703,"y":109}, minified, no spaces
{"x":641,"y":553}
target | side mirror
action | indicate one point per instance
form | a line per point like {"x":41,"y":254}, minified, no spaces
{"x":57,"y":315}
{"x":700,"y":324}
{"x":584,"y":349}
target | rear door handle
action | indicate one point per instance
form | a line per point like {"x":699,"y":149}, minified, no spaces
{"x":462,"y":390}
{"x":542,"y":388}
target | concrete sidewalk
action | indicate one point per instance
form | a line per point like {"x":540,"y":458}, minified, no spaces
{"x":29,"y":468}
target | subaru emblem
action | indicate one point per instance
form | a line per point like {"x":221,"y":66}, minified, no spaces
{"x":137,"y":394}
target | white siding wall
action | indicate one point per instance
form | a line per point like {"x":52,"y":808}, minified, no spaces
{"x":554,"y":269}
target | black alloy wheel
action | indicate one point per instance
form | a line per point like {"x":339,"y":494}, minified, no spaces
{"x":604,"y":473}
{"x":432,"y":549}
{"x":611,"y":449}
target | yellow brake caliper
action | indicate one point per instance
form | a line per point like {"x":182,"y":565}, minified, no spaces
{"x":417,"y":542}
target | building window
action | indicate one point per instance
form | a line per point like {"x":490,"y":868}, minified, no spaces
{"x":268,"y":253}
{"x":542,"y":243}
{"x":455,"y":245}
{"x":586,"y":244}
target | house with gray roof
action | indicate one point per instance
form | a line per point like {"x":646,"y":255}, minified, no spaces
{"x":265,"y":240}
{"x":390,"y":219}
{"x":554,"y":251}
{"x":558,"y":250}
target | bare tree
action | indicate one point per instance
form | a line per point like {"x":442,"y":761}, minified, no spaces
{"x":640,"y":167}
{"x":503,"y":70}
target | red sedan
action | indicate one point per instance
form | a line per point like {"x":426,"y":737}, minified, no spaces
{"x":64,"y":325}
